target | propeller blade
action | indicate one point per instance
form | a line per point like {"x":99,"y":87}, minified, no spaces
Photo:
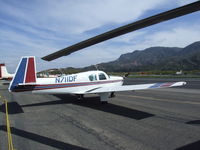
{"x":171,"y":14}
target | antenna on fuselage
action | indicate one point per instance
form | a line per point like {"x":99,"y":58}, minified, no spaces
{"x":62,"y":72}
{"x":96,"y":66}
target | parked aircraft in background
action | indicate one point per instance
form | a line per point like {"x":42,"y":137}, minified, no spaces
{"x":4,"y":75}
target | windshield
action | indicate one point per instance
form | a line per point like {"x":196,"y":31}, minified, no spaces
{"x":102,"y":76}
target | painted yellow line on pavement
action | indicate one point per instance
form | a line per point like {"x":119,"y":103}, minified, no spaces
{"x":10,"y":143}
{"x":158,"y":99}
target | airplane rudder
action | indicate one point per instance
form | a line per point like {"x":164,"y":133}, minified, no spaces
{"x":30,"y":74}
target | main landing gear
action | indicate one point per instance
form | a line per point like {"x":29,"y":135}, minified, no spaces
{"x":80,"y":96}
{"x":104,"y":102}
{"x":112,"y":94}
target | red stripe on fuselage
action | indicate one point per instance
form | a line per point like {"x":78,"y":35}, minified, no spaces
{"x":1,"y":65}
{"x":0,"y":72}
{"x":37,"y":87}
{"x":30,"y":72}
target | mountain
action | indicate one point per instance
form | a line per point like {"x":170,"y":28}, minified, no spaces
{"x":150,"y":59}
{"x":156,"y":58}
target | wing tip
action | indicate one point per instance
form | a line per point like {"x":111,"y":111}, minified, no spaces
{"x":181,"y":83}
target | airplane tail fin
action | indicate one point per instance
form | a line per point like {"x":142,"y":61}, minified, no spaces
{"x":1,"y":65}
{"x":3,"y":71}
{"x":25,"y":73}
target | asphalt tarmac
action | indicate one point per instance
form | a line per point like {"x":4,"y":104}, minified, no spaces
{"x":162,"y":119}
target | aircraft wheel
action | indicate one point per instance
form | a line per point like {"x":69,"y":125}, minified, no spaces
{"x":104,"y":102}
{"x":112,"y":94}
{"x":80,"y":96}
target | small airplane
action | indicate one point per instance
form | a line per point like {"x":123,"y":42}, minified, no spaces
{"x":4,"y":75}
{"x":90,"y":82}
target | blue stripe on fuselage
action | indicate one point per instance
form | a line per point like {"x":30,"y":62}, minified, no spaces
{"x":19,"y":76}
{"x":156,"y":85}
{"x":56,"y":86}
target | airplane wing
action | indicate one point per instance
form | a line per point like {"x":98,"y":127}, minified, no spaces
{"x":132,"y":87}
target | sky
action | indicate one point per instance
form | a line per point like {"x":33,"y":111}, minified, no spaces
{"x":38,"y":28}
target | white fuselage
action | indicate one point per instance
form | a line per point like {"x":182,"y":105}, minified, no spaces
{"x":75,"y":83}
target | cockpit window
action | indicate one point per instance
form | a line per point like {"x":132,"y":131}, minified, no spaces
{"x":92,"y":77}
{"x":102,"y":76}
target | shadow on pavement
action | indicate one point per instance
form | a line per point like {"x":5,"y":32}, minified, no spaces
{"x":191,"y":146}
{"x":42,"y":139}
{"x":13,"y":108}
{"x":94,"y":103}
{"x":194,"y":122}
